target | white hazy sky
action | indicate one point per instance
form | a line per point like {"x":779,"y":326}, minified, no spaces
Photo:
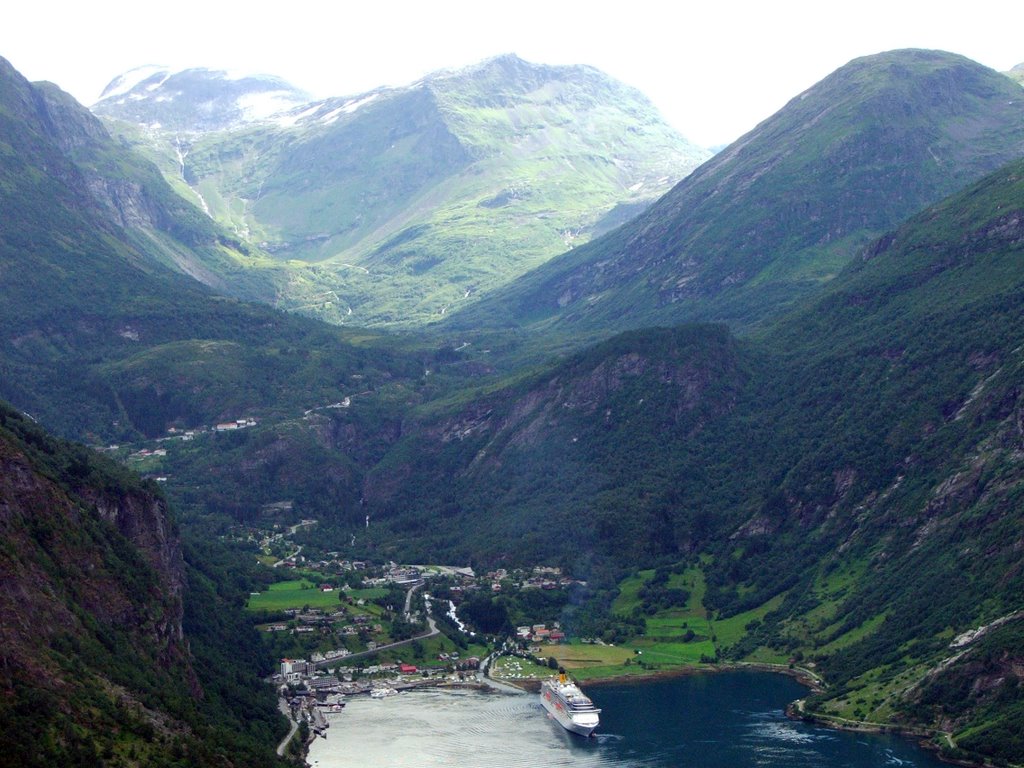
{"x":713,"y":69}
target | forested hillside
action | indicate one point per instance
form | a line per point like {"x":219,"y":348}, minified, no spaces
{"x":777,"y":214}
{"x":116,"y":649}
{"x":834,"y":453}
{"x":856,"y":466}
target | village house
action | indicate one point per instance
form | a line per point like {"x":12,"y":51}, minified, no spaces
{"x":293,"y":670}
{"x":324,"y":683}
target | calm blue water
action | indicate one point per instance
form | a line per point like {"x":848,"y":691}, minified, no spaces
{"x":731,"y":720}
{"x":725,"y":720}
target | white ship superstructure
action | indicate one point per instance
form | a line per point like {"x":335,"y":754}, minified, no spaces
{"x":572,"y":708}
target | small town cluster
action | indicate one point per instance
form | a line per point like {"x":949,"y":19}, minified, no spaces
{"x":346,"y":627}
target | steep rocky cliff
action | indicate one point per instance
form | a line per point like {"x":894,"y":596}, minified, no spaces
{"x":91,"y":608}
{"x":122,"y":192}
{"x":586,"y":448}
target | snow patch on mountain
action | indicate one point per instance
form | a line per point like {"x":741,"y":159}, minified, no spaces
{"x":262,"y":106}
{"x":198,"y":99}
{"x":122,"y":84}
{"x":352,"y":106}
{"x":291,"y":118}
{"x":347,"y":108}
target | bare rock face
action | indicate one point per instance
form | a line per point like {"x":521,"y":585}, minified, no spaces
{"x":144,"y":521}
{"x":127,"y":201}
{"x":84,"y":564}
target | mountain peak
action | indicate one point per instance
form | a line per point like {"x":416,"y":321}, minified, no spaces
{"x":1017,"y":73}
{"x":139,"y":76}
{"x":783,"y":208}
{"x":509,"y":69}
{"x":196,"y":99}
{"x":507,"y":63}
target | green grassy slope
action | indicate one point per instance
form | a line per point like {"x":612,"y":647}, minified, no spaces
{"x":132,"y":195}
{"x":395,"y":206}
{"x":778,"y":213}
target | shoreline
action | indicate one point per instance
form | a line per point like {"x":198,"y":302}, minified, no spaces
{"x":923,"y":737}
{"x":802,"y":675}
{"x":795,"y":710}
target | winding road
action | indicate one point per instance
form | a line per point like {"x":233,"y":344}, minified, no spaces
{"x":283,"y":706}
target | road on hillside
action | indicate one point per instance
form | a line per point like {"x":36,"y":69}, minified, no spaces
{"x":286,"y":711}
{"x":283,"y":560}
{"x":344,"y":659}
{"x":408,"y":598}
{"x":433,"y":630}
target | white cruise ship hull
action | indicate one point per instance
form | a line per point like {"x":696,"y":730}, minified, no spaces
{"x":583,"y":723}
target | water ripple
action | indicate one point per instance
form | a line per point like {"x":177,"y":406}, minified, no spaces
{"x":688,"y":723}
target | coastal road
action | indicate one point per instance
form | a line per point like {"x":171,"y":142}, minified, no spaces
{"x":283,"y":706}
{"x":345,"y":659}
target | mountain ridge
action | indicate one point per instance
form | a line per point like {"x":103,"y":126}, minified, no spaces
{"x":871,"y":144}
{"x":845,"y":475}
{"x":392,"y":206}
{"x":94,"y":318}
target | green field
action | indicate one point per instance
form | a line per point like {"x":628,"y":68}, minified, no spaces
{"x":591,"y":662}
{"x":663,"y":645}
{"x":366,"y":594}
{"x":628,"y":598}
{"x":577,"y":656}
{"x":581,"y":660}
{"x":664,"y":654}
{"x":298,"y":593}
{"x":729,"y":631}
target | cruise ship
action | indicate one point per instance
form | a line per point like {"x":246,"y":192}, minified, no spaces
{"x":572,"y":708}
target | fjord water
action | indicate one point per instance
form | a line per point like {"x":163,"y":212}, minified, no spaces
{"x":708,"y":721}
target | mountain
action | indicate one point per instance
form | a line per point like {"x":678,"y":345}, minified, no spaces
{"x":840,"y":484}
{"x":1017,"y":73}
{"x":778,"y":213}
{"x":97,"y":667}
{"x":102,"y":337}
{"x":851,"y":504}
{"x":913,"y":475}
{"x":392,"y":206}
{"x":559,"y":461}
{"x":127,"y":191}
{"x":195,"y":99}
